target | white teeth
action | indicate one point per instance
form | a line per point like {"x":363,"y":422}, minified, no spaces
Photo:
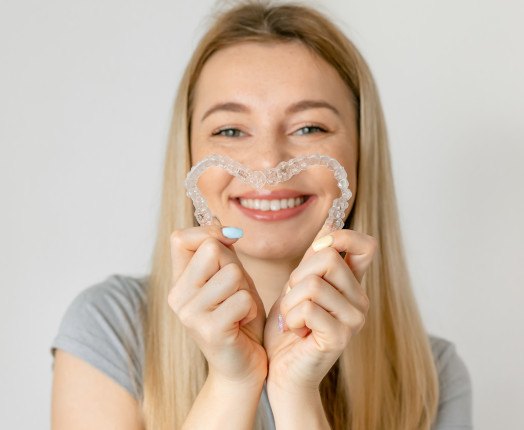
{"x":275,"y":205}
{"x":271,"y":205}
{"x":264,"y":205}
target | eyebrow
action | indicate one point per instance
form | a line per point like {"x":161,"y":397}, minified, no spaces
{"x":228,"y":107}
{"x":294,"y":108}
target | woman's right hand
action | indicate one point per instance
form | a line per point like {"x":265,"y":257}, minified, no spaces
{"x":217,"y":302}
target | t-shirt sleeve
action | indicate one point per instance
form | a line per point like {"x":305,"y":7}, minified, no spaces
{"x":103,"y":326}
{"x":455,"y":404}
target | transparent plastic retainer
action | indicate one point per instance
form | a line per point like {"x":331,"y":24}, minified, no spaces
{"x":270,"y":176}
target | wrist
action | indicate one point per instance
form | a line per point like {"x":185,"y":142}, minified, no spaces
{"x":296,"y":408}
{"x":251,"y":382}
{"x":286,"y":389}
{"x":225,"y":403}
{"x":288,"y":394}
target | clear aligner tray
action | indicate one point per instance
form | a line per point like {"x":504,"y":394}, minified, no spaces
{"x":270,"y":176}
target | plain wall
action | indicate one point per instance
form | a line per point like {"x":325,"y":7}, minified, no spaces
{"x":86,"y":90}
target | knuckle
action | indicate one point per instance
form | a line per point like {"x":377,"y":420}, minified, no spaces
{"x":243,"y":298}
{"x":365,"y":302}
{"x":359,"y":322}
{"x":172,"y":300}
{"x":176,"y":237}
{"x":233,"y":271}
{"x":293,"y":278}
{"x":314,"y":286}
{"x":373,"y":243}
{"x":332,"y":255}
{"x":211,"y":246}
{"x":185,"y":316}
{"x":308,"y":308}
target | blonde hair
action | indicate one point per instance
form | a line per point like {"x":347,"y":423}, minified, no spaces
{"x":386,"y":378}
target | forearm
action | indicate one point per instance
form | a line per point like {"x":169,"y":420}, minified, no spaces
{"x":301,"y":410}
{"x":224,"y":405}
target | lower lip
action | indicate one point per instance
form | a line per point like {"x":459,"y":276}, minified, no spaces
{"x":279,"y":215}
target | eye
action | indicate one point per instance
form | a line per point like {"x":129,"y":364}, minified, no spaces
{"x":228,"y":132}
{"x":309,"y":129}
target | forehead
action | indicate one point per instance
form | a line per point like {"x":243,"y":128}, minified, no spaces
{"x":270,"y":74}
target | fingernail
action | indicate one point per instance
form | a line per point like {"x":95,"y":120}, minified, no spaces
{"x":232,"y":232}
{"x":322,"y":243}
{"x":280,"y":323}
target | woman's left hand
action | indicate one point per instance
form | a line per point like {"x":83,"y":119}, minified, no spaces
{"x":324,"y":307}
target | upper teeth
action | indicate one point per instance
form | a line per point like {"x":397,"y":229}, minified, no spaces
{"x":271,"y":205}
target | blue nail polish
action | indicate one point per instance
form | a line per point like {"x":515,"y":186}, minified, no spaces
{"x":232,"y":232}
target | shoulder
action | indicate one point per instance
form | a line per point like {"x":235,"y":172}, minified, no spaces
{"x":121,"y":295}
{"x":450,"y":366}
{"x":103,"y":325}
{"x":455,"y":391}
{"x":114,"y":304}
{"x":116,"y":291}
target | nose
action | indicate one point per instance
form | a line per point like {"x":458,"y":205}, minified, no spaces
{"x":266,"y":152}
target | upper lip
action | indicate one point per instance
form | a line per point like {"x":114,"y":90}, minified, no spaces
{"x":270,"y":194}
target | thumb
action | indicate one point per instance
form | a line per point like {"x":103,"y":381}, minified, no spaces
{"x":323,"y":232}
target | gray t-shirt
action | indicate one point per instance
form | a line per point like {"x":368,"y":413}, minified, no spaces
{"x":103,"y":326}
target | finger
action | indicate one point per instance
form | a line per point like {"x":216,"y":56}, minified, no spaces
{"x":310,"y":251}
{"x":324,"y":231}
{"x":233,"y":310}
{"x":208,"y":259}
{"x":184,"y":243}
{"x":329,"y":265}
{"x":227,"y":281}
{"x":327,"y":331}
{"x":256,"y":297}
{"x":360,"y":249}
{"x":317,"y":290}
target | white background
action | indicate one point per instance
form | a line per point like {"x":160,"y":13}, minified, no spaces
{"x":86,"y":89}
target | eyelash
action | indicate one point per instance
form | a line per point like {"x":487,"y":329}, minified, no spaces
{"x":222,"y":130}
{"x":313,"y":126}
{"x":236,"y":130}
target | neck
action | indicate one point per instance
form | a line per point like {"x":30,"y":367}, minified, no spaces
{"x":269,"y":276}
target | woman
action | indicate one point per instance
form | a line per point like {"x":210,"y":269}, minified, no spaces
{"x":197,"y":343}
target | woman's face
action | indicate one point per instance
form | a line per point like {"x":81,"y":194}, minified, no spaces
{"x":261,"y":104}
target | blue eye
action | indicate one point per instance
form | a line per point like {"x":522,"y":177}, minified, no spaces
{"x":228,"y":132}
{"x":309,"y":129}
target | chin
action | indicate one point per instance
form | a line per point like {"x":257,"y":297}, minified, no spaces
{"x":291,"y":246}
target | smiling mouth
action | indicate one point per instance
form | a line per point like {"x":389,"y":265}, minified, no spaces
{"x":273,"y":205}
{"x":270,"y":208}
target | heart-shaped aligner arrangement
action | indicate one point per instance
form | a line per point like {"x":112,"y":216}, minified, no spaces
{"x":271,"y":176}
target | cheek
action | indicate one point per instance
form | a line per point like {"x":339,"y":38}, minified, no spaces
{"x":212,"y":183}
{"x":197,"y":149}
{"x":323,"y":181}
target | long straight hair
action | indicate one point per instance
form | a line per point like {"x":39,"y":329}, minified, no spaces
{"x":386,"y":378}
